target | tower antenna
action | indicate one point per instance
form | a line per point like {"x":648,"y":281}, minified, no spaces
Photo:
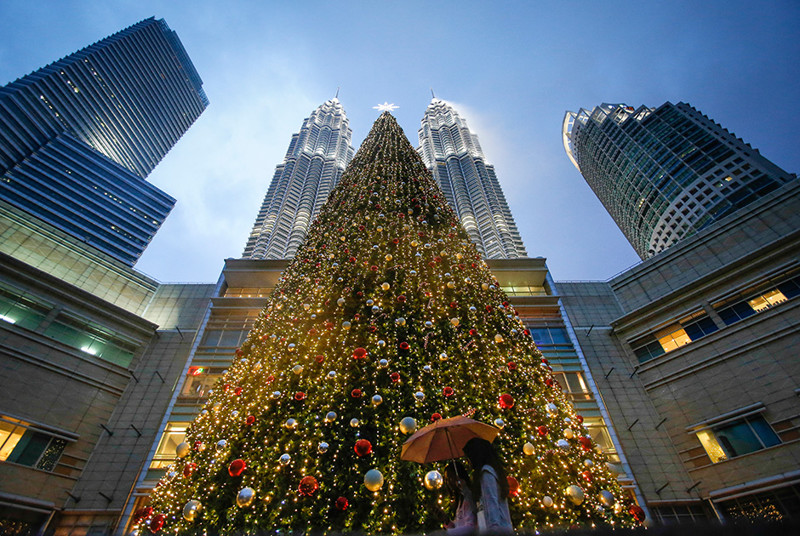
{"x":433,"y":94}
{"x":337,"y":93}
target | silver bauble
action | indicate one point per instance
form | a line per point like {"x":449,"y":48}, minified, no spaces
{"x":500,"y":423}
{"x":400,"y":321}
{"x":377,"y":400}
{"x":408,"y":425}
{"x":340,"y":301}
{"x":588,"y":463}
{"x":285,"y":459}
{"x":245,"y":497}
{"x":427,"y":368}
{"x":433,"y":480}
{"x":607,"y":498}
{"x":190,"y":510}
{"x":613,"y":469}
{"x":331,"y":374}
{"x":222,"y":444}
{"x":291,"y":424}
{"x":551,"y":408}
{"x":563,"y":444}
{"x":354,"y":422}
{"x":381,"y":343}
{"x":547,"y":501}
{"x":183,"y":449}
{"x":297,"y":369}
{"x":419,"y":396}
{"x":346,"y":325}
{"x":383,"y":363}
{"x":276,"y":395}
{"x":373,"y":480}
{"x":322,"y":448}
{"x":330,"y":416}
{"x":443,"y":357}
{"x":428,"y":324}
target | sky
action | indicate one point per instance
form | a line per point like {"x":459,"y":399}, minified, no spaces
{"x":511,"y":69}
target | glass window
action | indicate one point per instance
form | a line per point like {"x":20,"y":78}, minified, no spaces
{"x":574,"y":384}
{"x":674,"y":340}
{"x":548,"y":336}
{"x":767,"y":300}
{"x":173,"y":436}
{"x":198,"y":382}
{"x":26,"y":446}
{"x":742,"y":436}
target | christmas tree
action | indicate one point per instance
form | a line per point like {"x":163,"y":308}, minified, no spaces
{"x":387,"y":319}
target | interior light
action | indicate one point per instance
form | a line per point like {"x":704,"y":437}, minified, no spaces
{"x":8,"y":319}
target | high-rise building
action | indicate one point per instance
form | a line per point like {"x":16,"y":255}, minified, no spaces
{"x":453,"y":154}
{"x":314,"y":162}
{"x":665,"y":173}
{"x":78,"y":137}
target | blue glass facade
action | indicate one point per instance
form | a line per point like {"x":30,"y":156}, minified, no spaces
{"x":663,"y":174}
{"x":78,"y":137}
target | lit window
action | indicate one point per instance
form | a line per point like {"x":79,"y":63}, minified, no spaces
{"x":736,"y":438}
{"x":22,"y":444}
{"x":674,"y":340}
{"x":173,"y":436}
{"x":767,"y":300}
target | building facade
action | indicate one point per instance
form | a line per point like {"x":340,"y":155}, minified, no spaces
{"x":454,"y":156}
{"x":665,"y":173}
{"x":79,"y":136}
{"x":314,"y":162}
{"x":695,"y":354}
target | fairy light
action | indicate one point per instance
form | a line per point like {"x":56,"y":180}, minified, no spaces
{"x":385,"y":246}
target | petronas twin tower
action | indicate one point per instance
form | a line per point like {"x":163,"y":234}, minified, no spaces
{"x":319,"y":153}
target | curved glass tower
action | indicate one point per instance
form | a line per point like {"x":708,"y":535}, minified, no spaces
{"x":78,"y":137}
{"x":665,"y":173}
{"x":314,"y":162}
{"x":453,"y":154}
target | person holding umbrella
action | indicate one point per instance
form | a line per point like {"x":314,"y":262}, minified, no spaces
{"x":457,"y":482}
{"x":490,"y":487}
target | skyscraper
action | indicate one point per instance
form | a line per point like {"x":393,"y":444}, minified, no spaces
{"x":665,"y":173}
{"x":453,"y":154}
{"x":313,"y":164}
{"x":78,"y":137}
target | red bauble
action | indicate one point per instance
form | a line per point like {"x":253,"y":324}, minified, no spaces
{"x":143,"y":513}
{"x":342,"y":504}
{"x":270,"y":378}
{"x":320,"y":358}
{"x":238,"y":352}
{"x":395,"y":376}
{"x":513,"y":486}
{"x":404,"y":345}
{"x":506,"y":401}
{"x":359,"y":353}
{"x":579,"y":418}
{"x":453,"y":304}
{"x":473,"y":332}
{"x":355,"y":393}
{"x":352,"y":259}
{"x":489,"y":308}
{"x":226,"y":387}
{"x":237,"y":467}
{"x":308,"y":486}
{"x":548,"y":381}
{"x":448,"y":392}
{"x":299,"y":396}
{"x":395,"y":242}
{"x":188,"y":469}
{"x":511,"y":366}
{"x":250,"y":420}
{"x":157,"y":522}
{"x":635,"y":510}
{"x":373,"y":268}
{"x":542,"y":430}
{"x":436,"y":416}
{"x":586,"y":442}
{"x":401,"y":298}
{"x":363,"y":447}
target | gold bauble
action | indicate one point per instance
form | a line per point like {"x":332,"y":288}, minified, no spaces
{"x":408,"y":425}
{"x":433,"y":480}
{"x":245,"y":497}
{"x":190,"y":510}
{"x":183,"y":449}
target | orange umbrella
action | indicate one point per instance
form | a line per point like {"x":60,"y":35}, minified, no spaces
{"x":445,"y":439}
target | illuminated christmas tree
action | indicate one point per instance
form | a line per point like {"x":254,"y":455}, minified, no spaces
{"x":387,"y":319}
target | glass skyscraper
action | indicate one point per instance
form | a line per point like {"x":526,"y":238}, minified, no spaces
{"x":453,"y":154}
{"x":314,"y":162}
{"x":665,"y":173}
{"x":78,"y":137}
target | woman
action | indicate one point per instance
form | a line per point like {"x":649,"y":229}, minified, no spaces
{"x":490,"y":487}
{"x":457,"y":482}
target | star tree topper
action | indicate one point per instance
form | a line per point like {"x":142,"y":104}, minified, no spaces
{"x":385,"y":107}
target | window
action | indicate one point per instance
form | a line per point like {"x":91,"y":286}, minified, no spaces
{"x":752,"y":300}
{"x":90,"y":340}
{"x":173,"y":436}
{"x":574,"y":384}
{"x":199,"y":381}
{"x":742,"y":436}
{"x":548,"y":336}
{"x":22,"y":444}
{"x":689,"y":329}
{"x":599,"y":433}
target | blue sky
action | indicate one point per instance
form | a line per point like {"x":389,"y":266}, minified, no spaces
{"x":511,"y":68}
